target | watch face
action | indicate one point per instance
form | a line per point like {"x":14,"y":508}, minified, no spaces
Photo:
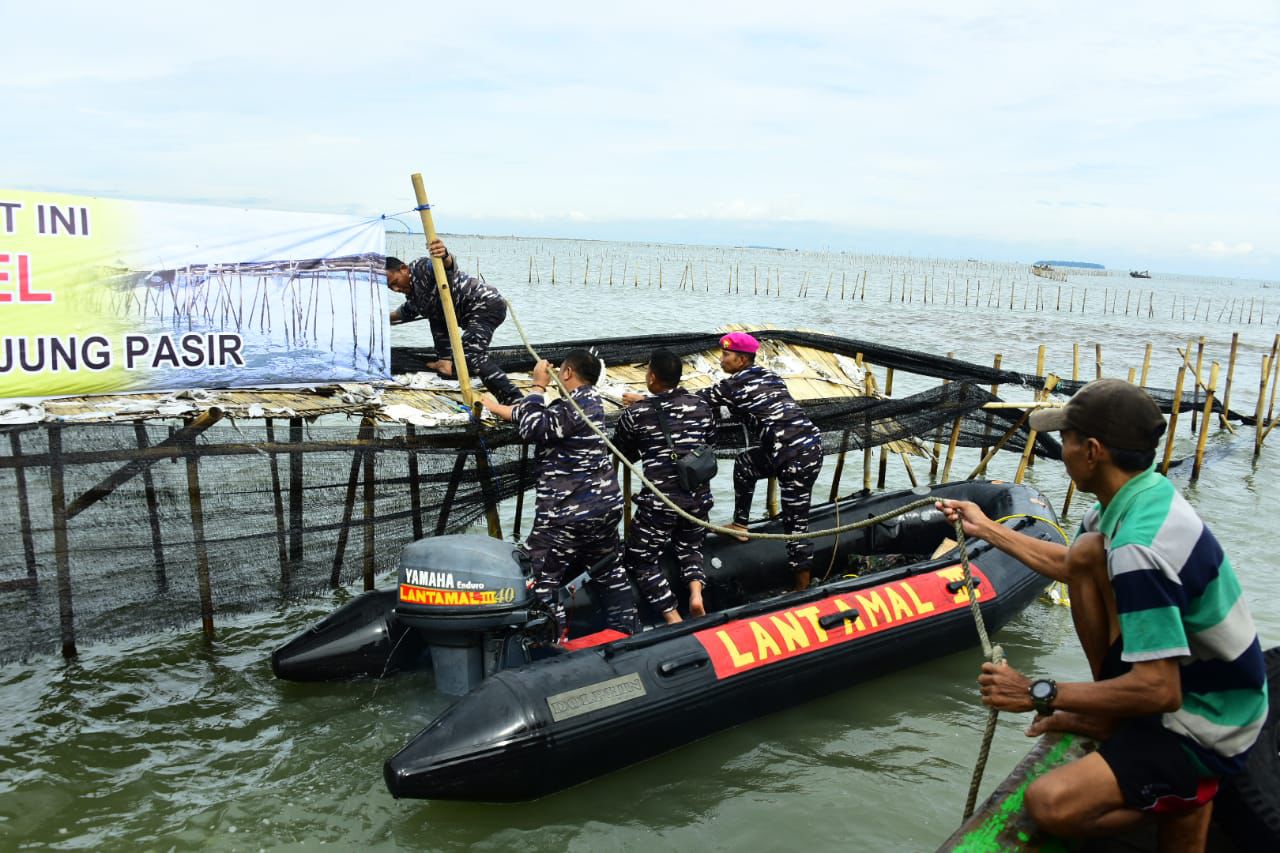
{"x":1041,"y":689}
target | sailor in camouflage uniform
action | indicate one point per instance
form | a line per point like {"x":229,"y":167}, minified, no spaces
{"x":480,"y":309}
{"x":790,"y":445}
{"x":639,"y":435}
{"x":578,"y":502}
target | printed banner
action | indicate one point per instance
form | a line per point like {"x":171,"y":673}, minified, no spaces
{"x":746,"y":644}
{"x":102,"y":295}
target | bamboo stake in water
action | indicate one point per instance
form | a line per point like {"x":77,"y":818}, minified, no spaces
{"x":1029,"y":450}
{"x":1204,"y":424}
{"x":1199,"y":383}
{"x":1173,"y":419}
{"x":1226,"y":391}
{"x":1146,"y":364}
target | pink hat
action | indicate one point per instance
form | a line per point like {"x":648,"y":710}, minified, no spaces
{"x":740,"y":342}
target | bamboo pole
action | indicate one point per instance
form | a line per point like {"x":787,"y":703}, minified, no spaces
{"x":446,"y":294}
{"x":1173,"y":419}
{"x":771,"y":498}
{"x":1029,"y":450}
{"x":1262,"y":395}
{"x":1226,"y":391}
{"x":1146,"y":365}
{"x":986,"y":429}
{"x":982,"y":465}
{"x":884,"y":451}
{"x":522,"y":470}
{"x":1199,"y":383}
{"x":835,"y":477}
{"x":1031,"y":461}
{"x":1075,"y":362}
{"x":937,"y":441}
{"x":1066,"y":502}
{"x":1204,"y":423}
{"x":1097,"y":360}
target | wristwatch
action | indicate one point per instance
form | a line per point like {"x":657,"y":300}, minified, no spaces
{"x":1043,"y":691}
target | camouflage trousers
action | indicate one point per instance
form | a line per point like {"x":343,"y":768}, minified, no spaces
{"x":476,"y":336}
{"x":652,"y":528}
{"x":796,"y":477}
{"x":561,"y":551}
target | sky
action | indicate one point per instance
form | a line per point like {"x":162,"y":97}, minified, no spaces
{"x":1138,"y":135}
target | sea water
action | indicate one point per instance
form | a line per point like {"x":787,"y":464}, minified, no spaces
{"x":164,"y":741}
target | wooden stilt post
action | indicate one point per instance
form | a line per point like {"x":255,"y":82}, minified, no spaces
{"x":369,"y":454}
{"x":520,"y":475}
{"x":1204,"y":424}
{"x":24,"y":507}
{"x":196,"y":500}
{"x":61,"y":547}
{"x":1173,"y":420}
{"x":153,"y":509}
{"x":415,"y":487}
{"x":295,"y":494}
{"x":278,"y":500}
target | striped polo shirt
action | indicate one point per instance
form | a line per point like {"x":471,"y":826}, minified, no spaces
{"x":1178,"y":597}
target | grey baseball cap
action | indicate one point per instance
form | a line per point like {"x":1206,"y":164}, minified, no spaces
{"x":1118,"y":414}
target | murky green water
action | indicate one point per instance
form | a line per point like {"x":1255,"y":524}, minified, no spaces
{"x":166,"y":742}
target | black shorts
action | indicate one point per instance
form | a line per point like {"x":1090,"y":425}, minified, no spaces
{"x":1155,"y":771}
{"x":1152,"y":765}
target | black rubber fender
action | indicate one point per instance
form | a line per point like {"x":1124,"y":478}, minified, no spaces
{"x":1248,"y":805}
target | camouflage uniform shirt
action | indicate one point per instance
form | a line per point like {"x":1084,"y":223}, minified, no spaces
{"x":576,"y":480}
{"x":472,"y":298}
{"x":639,"y":435}
{"x":760,"y":398}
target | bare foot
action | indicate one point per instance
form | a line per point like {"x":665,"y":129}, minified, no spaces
{"x":672,"y":616}
{"x":736,"y":526}
{"x":802,"y":581}
{"x":696,"y":607}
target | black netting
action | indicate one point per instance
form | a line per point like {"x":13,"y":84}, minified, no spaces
{"x":289,"y":508}
{"x":635,"y":350}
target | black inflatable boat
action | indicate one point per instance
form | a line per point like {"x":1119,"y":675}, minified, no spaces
{"x":535,"y":718}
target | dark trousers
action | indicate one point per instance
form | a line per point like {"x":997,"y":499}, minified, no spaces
{"x":796,"y":477}
{"x":476,"y":335}
{"x":652,"y":528}
{"x":561,"y":551}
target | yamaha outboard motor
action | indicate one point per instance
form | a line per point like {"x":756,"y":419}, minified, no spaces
{"x":468,"y":597}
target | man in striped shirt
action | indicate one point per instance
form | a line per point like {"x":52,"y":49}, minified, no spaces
{"x":1179,"y":690}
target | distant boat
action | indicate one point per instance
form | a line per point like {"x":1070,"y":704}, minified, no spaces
{"x":1137,"y":274}
{"x":1045,"y":271}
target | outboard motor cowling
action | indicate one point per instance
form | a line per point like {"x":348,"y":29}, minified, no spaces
{"x":468,"y":596}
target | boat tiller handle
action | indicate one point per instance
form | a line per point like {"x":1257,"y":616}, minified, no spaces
{"x":832,"y":620}
{"x":669,"y":668}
